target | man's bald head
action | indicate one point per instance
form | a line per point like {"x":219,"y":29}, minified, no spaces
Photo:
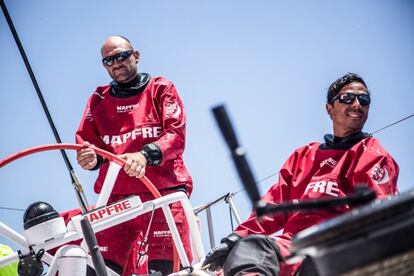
{"x":114,"y":42}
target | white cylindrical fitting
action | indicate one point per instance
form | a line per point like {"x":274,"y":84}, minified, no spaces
{"x":72,"y":261}
{"x":50,"y":229}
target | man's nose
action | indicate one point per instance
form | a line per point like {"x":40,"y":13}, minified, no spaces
{"x":116,"y":64}
{"x":356,"y":103}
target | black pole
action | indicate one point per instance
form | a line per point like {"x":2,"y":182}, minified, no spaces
{"x":90,"y":238}
{"x":361,"y":195}
{"x":238,"y":155}
{"x":75,"y":182}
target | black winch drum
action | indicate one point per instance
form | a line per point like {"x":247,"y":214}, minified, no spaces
{"x":377,"y":239}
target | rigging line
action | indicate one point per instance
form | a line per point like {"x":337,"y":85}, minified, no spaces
{"x":224,"y":197}
{"x":76,"y":184}
{"x":387,"y":126}
{"x":205,"y":206}
{"x":267,"y":177}
{"x":11,"y":209}
{"x":259,"y":181}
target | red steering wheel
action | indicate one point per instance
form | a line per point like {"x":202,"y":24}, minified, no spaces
{"x":110,"y":156}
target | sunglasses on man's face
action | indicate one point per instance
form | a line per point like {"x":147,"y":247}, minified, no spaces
{"x":349,"y":97}
{"x":108,"y":61}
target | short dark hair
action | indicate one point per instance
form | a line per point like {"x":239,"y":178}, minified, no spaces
{"x":337,"y":85}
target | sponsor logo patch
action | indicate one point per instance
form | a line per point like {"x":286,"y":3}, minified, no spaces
{"x":161,"y":233}
{"x":172,"y":110}
{"x":379,"y":174}
{"x":126,"y":108}
{"x":330,"y":162}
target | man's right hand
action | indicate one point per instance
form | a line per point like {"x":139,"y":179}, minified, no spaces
{"x":217,"y":256}
{"x":86,"y":157}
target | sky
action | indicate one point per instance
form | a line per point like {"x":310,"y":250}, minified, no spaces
{"x":269,"y":62}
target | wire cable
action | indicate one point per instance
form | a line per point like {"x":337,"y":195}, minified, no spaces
{"x":11,"y":209}
{"x":397,"y":122}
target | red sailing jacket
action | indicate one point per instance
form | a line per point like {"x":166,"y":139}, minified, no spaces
{"x":124,"y":125}
{"x":312,"y":173}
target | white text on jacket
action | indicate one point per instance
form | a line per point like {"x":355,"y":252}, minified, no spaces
{"x":145,"y":132}
{"x":323,"y":187}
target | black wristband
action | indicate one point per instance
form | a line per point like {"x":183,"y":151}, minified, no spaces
{"x":146,"y":155}
{"x":152,"y":153}
{"x":98,"y":163}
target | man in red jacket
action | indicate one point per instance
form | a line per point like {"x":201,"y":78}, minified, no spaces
{"x":332,"y":169}
{"x":141,"y":119}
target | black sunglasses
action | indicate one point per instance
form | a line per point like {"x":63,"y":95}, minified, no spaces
{"x":108,"y":61}
{"x":348,"y":98}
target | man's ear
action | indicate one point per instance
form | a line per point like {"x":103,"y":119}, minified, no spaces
{"x":329,"y":109}
{"x":136,"y":55}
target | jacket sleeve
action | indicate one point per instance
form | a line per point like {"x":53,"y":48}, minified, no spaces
{"x":87,"y":130}
{"x":379,"y":171}
{"x":278,"y":193}
{"x":173,"y":119}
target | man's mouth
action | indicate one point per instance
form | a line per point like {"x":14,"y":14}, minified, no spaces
{"x":119,"y":69}
{"x":354,"y":114}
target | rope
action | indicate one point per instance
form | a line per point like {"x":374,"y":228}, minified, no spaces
{"x":11,"y":209}
{"x":387,"y":126}
{"x":258,"y":182}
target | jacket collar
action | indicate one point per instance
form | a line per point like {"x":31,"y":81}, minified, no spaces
{"x":132,"y":88}
{"x":344,"y":143}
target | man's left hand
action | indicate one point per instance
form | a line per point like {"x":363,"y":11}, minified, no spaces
{"x":135,"y":164}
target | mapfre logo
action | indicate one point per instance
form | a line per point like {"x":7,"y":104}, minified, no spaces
{"x":323,"y":187}
{"x":108,"y":211}
{"x":330,"y":162}
{"x":379,"y":174}
{"x":145,"y":132}
{"x":126,"y":108}
{"x":161,"y":233}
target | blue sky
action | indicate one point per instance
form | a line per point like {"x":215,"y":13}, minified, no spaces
{"x":270,"y":62}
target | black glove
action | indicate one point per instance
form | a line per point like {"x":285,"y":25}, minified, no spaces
{"x":218,"y":255}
